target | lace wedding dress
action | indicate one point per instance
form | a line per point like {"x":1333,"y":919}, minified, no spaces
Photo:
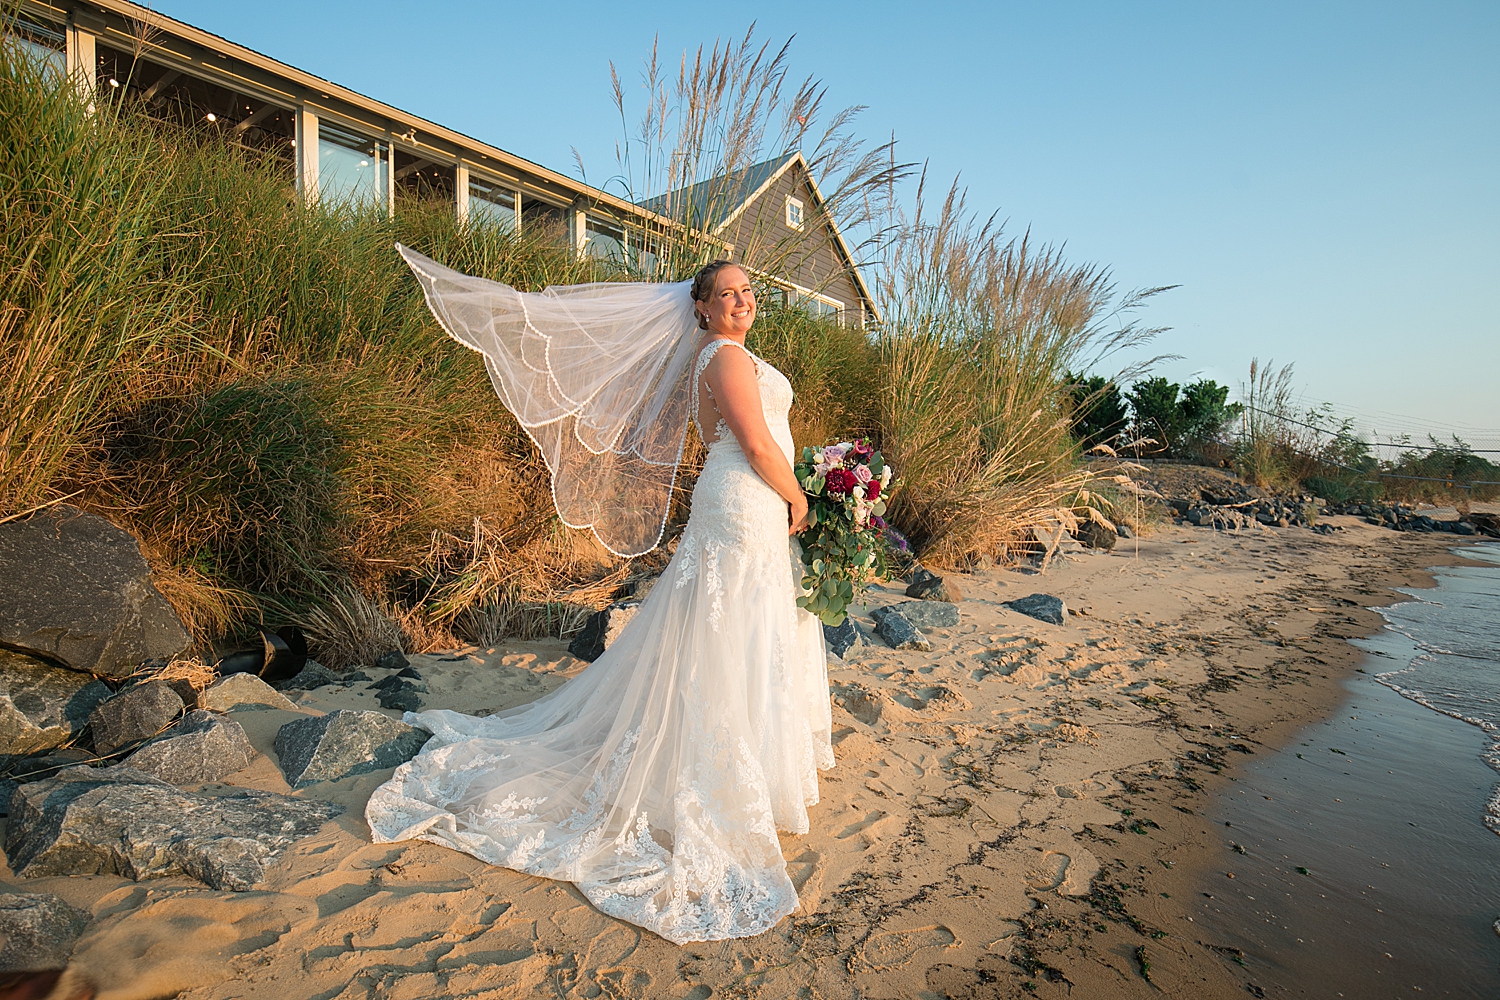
{"x":657,"y":778}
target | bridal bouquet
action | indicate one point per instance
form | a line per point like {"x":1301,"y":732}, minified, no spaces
{"x":846,"y":486}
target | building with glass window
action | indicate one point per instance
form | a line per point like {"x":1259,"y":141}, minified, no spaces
{"x":342,"y":147}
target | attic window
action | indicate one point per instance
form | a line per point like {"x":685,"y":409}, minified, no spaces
{"x":793,"y":213}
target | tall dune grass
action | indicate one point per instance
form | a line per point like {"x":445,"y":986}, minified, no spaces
{"x":980,"y":332}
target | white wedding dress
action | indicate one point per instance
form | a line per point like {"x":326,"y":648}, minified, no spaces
{"x":658,"y":777}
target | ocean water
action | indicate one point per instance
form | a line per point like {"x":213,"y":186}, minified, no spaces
{"x":1361,"y":863}
{"x":1454,"y":665}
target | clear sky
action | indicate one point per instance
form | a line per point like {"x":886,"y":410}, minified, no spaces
{"x":1321,"y":179}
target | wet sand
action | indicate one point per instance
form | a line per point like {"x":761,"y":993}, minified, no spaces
{"x":1025,"y":810}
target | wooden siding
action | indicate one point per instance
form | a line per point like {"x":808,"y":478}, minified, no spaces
{"x":809,"y":258}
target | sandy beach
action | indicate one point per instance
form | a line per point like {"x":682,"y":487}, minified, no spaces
{"x":1018,"y":812}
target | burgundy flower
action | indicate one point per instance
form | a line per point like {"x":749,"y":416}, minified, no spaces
{"x":872,"y":490}
{"x":840,"y":482}
{"x":863,"y":448}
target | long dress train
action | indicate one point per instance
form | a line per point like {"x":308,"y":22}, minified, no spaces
{"x":657,"y":778}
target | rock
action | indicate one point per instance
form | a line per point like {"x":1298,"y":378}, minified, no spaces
{"x":935,"y":588}
{"x":920,"y":574}
{"x":410,"y":672}
{"x":202,"y":747}
{"x":1123,"y":530}
{"x":922,"y":614}
{"x":898,"y":633}
{"x":75,"y":589}
{"x":602,"y":629}
{"x":42,"y":706}
{"x":393,"y":660}
{"x":842,"y":638}
{"x":39,"y":931}
{"x":119,"y":821}
{"x":1095,"y":535}
{"x":403,"y":696}
{"x":314,"y":675}
{"x":137,"y":713}
{"x":1042,"y":607}
{"x":344,"y":743}
{"x":1463,"y":528}
{"x":237,"y":690}
{"x":46,"y":765}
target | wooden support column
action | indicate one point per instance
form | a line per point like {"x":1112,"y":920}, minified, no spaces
{"x":307,"y":155}
{"x":578,"y":229}
{"x":461,"y":192}
{"x":83,"y":61}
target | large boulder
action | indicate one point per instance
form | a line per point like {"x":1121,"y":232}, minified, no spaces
{"x":602,"y":628}
{"x":37,"y":930}
{"x":202,"y":747}
{"x":75,"y":589}
{"x":42,"y":706}
{"x":922,"y":614}
{"x":344,"y":743}
{"x":137,"y":713}
{"x":237,"y":690}
{"x":1042,"y":607}
{"x":120,"y":821}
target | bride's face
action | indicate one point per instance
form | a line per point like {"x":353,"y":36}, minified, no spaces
{"x":731,"y":308}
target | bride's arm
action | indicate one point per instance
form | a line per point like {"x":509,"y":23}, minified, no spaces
{"x":731,"y":378}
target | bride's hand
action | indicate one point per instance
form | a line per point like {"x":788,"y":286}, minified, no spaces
{"x":798,"y":517}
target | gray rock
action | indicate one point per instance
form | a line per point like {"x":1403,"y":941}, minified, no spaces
{"x":75,"y":589}
{"x":119,"y":821}
{"x":922,"y":614}
{"x":137,"y":713}
{"x":1042,"y":607}
{"x":229,"y":693}
{"x":311,"y":677}
{"x":898,"y":633}
{"x":1094,"y":535}
{"x":393,"y":660}
{"x":601,"y":629}
{"x":404,"y":696}
{"x":37,"y":767}
{"x":38,"y":930}
{"x":42,"y":706}
{"x":202,"y":747}
{"x":935,"y":588}
{"x":344,"y":743}
{"x":842,"y":638}
{"x":1122,"y":530}
{"x":1463,"y":528}
{"x":920,"y":574}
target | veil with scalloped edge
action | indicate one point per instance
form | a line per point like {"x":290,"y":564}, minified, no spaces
{"x":597,"y":374}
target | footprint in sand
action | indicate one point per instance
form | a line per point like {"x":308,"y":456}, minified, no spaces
{"x":1048,"y":873}
{"x":895,"y":949}
{"x":856,"y":828}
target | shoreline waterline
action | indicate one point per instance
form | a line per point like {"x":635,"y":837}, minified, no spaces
{"x":1363,"y":862}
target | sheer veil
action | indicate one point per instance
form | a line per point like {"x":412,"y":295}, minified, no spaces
{"x":597,"y":374}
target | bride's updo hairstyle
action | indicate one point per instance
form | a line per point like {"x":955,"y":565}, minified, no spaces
{"x":703,"y":285}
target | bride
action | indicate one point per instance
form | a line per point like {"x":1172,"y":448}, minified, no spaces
{"x":658,"y":777}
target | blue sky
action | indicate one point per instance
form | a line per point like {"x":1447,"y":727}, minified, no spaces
{"x":1321,"y":179}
